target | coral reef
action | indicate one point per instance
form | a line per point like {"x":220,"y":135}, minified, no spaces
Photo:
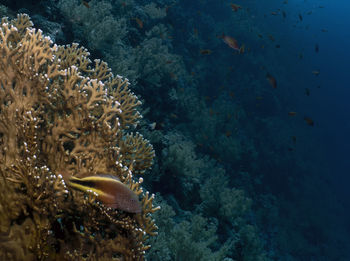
{"x":60,"y":113}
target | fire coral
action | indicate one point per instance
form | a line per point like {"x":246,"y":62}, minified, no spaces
{"x":60,"y":114}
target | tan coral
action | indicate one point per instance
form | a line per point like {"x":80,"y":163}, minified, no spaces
{"x":59,"y":114}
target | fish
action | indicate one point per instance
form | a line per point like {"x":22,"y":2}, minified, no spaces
{"x":316,"y":72}
{"x":110,"y":191}
{"x":307,"y":91}
{"x":241,"y":49}
{"x":139,"y":22}
{"x":231,"y":42}
{"x":294,"y":139}
{"x":292,"y":113}
{"x":309,"y":121}
{"x":284,"y":14}
{"x":324,"y":30}
{"x":271,"y":80}
{"x":205,"y":51}
{"x":317,"y":48}
{"x":85,"y":3}
{"x":278,"y":46}
{"x":300,"y":17}
{"x":152,"y":126}
{"x":235,"y":7}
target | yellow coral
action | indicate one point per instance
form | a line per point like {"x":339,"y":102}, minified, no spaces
{"x":58,"y":113}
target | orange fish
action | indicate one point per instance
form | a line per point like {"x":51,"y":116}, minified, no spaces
{"x":109,"y":190}
{"x":230,"y":41}
{"x":228,"y":133}
{"x":86,"y":4}
{"x":316,"y":72}
{"x":235,"y":7}
{"x":292,"y":113}
{"x":205,"y":51}
{"x":139,"y":22}
{"x":271,"y":80}
{"x":309,"y":121}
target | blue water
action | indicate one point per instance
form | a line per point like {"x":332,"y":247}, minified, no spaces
{"x":222,"y":127}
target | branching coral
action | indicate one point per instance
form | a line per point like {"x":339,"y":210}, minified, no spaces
{"x":60,"y":114}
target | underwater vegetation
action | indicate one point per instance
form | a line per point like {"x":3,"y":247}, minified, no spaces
{"x":64,"y":122}
{"x":203,"y":82}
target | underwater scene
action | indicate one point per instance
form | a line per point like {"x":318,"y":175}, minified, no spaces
{"x":175,"y":130}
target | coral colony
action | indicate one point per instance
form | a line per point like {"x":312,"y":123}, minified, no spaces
{"x":68,"y":185}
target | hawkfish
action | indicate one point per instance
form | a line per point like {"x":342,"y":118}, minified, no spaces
{"x":109,"y":190}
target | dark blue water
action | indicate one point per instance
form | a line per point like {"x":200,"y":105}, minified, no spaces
{"x":246,"y":170}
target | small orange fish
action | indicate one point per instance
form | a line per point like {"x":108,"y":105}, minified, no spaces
{"x":205,"y":51}
{"x":235,"y":7}
{"x":86,"y":4}
{"x":231,"y":42}
{"x":294,"y":139}
{"x":271,"y":80}
{"x":271,"y":38}
{"x":274,"y":13}
{"x":309,"y":121}
{"x":173,"y":76}
{"x":228,"y":133}
{"x":316,"y":72}
{"x":139,"y":22}
{"x":232,"y":94}
{"x":292,"y":113}
{"x":211,"y":112}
